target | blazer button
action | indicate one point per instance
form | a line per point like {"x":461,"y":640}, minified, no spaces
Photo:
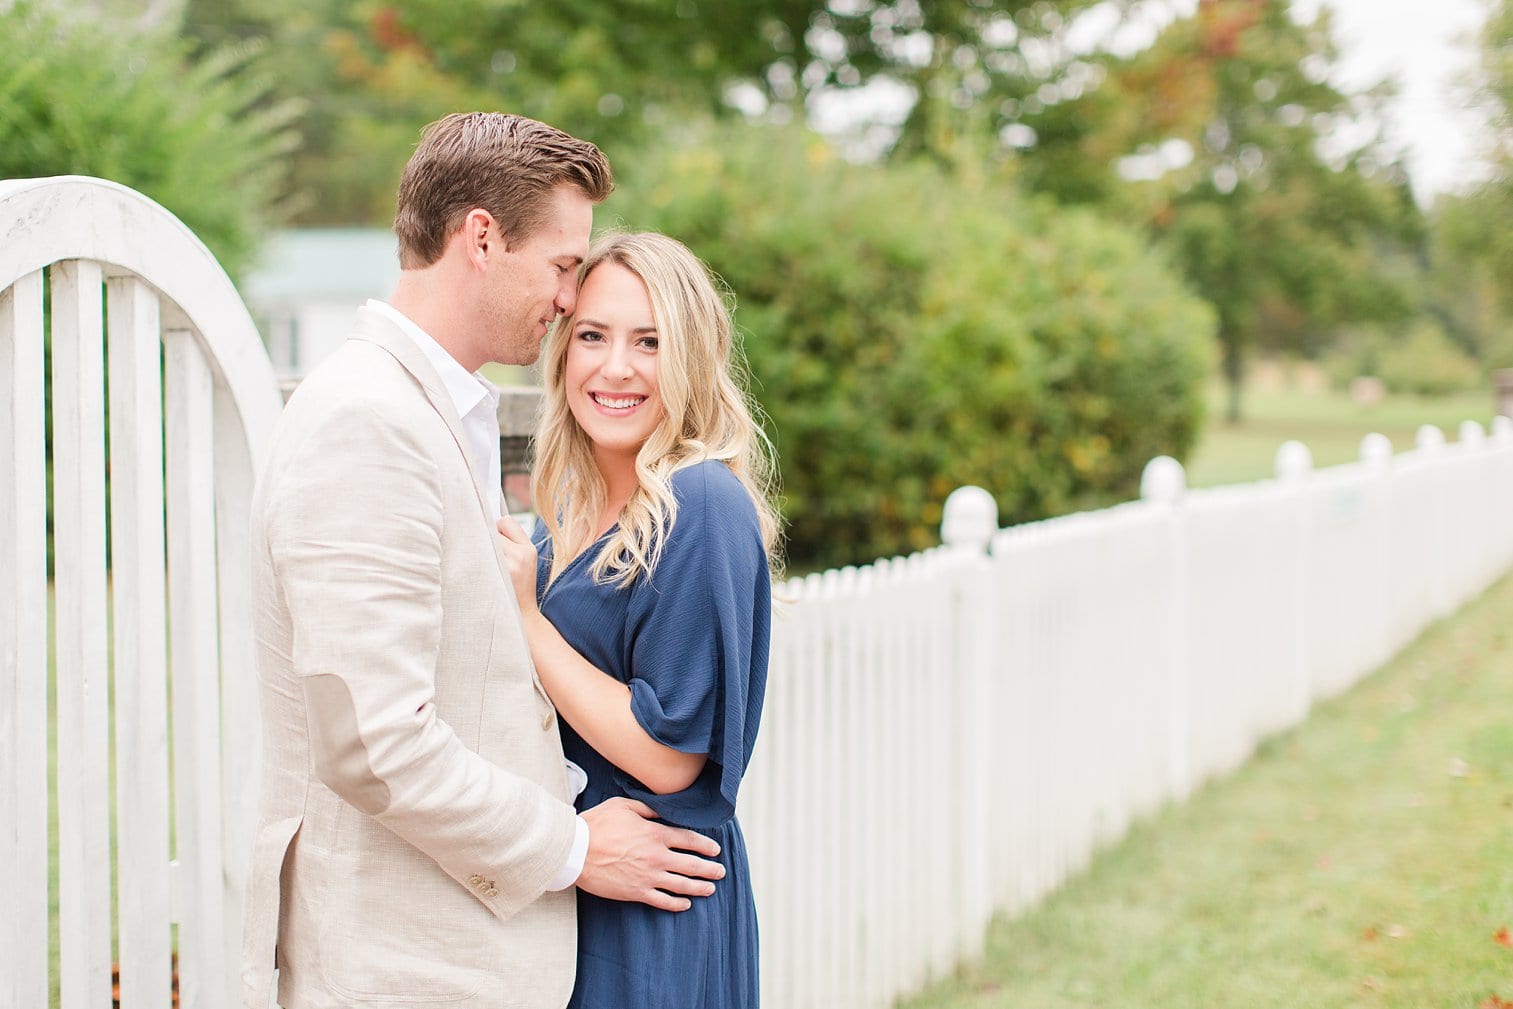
{"x":546,"y":723}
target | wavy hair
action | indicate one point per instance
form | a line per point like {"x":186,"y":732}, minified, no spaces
{"x":707,"y":414}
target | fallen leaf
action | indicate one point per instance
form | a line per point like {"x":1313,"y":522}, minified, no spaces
{"x":1459,"y":768}
{"x":1502,"y":937}
{"x":1373,"y":984}
{"x":1369,"y":933}
{"x":1396,"y":931}
{"x":1493,"y":1002}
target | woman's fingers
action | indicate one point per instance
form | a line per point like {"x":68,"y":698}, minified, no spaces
{"x":512,"y":530}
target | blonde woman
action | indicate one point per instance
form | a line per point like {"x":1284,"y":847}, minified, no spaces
{"x":646,"y":599}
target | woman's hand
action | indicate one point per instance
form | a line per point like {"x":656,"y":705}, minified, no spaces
{"x":520,"y":554}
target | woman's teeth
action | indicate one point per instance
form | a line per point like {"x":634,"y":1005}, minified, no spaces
{"x":618,"y":403}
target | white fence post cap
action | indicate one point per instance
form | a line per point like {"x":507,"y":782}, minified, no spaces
{"x":970,"y":518}
{"x":1163,"y":481}
{"x":1472,"y":433}
{"x":1294,"y":461}
{"x":1429,"y":438}
{"x":1502,"y":428}
{"x":1376,"y":450}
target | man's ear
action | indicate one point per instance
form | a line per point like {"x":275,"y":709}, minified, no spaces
{"x":480,"y":236}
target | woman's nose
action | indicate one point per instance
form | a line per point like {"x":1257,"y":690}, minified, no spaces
{"x":617,"y":364}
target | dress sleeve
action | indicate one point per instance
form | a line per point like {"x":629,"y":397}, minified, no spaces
{"x":698,"y":643}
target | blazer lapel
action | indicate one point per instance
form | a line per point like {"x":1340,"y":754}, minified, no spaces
{"x":374,"y":328}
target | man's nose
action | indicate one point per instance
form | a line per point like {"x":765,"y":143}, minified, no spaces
{"x":567,"y":297}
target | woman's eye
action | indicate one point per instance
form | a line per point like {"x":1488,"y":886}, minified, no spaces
{"x":590,"y":335}
{"x":649,"y":342}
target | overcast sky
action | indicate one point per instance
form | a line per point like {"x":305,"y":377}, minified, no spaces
{"x":1425,"y":46}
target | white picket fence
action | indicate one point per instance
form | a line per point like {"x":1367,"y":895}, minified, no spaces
{"x":947,"y":735}
{"x":191,"y":398}
{"x":955,"y":733}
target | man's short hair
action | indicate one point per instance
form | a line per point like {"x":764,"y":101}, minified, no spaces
{"x":508,"y":165}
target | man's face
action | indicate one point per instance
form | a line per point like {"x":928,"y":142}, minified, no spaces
{"x":536,"y":280}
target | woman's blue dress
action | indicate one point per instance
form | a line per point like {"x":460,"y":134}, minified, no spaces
{"x":692,"y":643}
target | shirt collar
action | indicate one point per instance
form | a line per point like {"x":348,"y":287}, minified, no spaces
{"x":466,"y":388}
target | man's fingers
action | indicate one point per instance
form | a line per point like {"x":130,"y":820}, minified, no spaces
{"x":635,"y":806}
{"x":665,"y":901}
{"x":692,"y":865}
{"x":688,"y":840}
{"x":686,"y":885}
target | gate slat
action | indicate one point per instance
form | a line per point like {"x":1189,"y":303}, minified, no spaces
{"x":78,"y":397}
{"x":141,"y":687}
{"x":23,"y":646}
{"x":241,"y":742}
{"x":190,"y":418}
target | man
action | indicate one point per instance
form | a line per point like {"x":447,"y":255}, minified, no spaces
{"x":417,"y":845}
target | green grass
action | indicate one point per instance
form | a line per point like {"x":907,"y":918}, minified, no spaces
{"x":1326,"y":421}
{"x":1363,"y":860}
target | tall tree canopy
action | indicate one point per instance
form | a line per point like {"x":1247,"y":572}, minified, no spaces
{"x":1228,"y":138}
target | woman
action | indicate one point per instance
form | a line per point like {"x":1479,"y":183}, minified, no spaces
{"x":649,"y":605}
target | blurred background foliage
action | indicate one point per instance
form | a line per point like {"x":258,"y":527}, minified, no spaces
{"x":912,"y":331}
{"x":207,"y":137}
{"x":1009,"y":262}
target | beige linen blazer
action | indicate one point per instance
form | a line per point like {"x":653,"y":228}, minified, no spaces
{"x":414,"y":798}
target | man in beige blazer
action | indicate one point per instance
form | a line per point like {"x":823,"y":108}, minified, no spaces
{"x":417,"y":843}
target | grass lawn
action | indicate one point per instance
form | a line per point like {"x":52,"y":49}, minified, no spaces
{"x":1326,"y":421}
{"x":1363,"y":860}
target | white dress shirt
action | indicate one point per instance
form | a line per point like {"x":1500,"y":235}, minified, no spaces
{"x":477,"y":403}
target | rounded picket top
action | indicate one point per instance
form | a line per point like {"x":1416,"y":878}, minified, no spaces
{"x":970,"y":518}
{"x":1472,"y":434}
{"x":1376,"y":450}
{"x":80,"y":217}
{"x":1294,"y":461}
{"x":1429,"y":439}
{"x":1164,"y":481}
{"x":1502,"y":428}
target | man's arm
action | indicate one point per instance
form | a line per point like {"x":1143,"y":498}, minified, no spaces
{"x":354,"y":532}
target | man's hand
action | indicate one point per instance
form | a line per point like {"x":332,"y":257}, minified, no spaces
{"x":632,"y":857}
{"x":520,"y":553}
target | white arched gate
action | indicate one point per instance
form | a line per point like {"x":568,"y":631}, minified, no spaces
{"x":155,"y":710}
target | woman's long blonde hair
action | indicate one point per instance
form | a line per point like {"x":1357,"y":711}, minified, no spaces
{"x":707,"y":415}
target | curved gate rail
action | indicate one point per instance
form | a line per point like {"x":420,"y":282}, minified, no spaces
{"x":145,"y":325}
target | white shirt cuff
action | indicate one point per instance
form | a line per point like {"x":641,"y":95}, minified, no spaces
{"x":573,"y":868}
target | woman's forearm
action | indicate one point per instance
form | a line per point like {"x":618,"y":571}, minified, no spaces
{"x":597,"y":706}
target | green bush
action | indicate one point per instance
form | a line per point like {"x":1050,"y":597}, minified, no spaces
{"x":910,"y":332}
{"x":1423,"y":360}
{"x":78,"y":98}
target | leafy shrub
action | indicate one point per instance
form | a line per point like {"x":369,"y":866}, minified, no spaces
{"x":1423,"y":360}
{"x":78,"y":98}
{"x":910,"y":332}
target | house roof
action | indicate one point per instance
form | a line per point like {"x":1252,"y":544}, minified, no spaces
{"x":305,"y":264}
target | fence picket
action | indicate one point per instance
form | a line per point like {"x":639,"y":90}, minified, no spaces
{"x":23,"y":647}
{"x":78,"y":351}
{"x":190,"y":422}
{"x":141,"y":666}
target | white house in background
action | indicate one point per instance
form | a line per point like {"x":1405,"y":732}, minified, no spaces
{"x":308,"y":285}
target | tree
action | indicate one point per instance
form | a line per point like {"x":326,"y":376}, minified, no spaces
{"x":1228,"y":140}
{"x":374,"y":72}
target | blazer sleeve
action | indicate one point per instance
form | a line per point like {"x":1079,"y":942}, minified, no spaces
{"x":354,"y":531}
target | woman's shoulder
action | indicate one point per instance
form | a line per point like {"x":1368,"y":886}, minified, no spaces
{"x":710,"y":488}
